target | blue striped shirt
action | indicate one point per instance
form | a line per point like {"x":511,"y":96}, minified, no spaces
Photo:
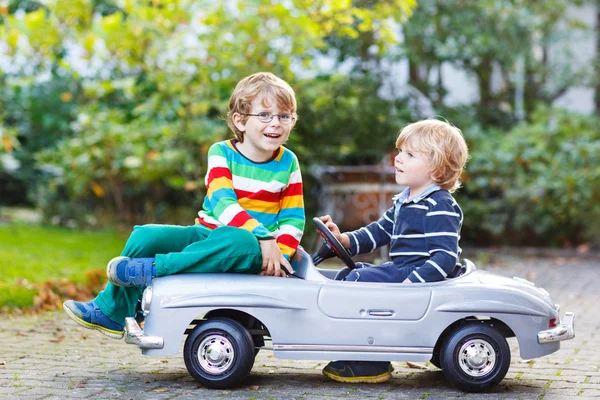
{"x":423,"y":233}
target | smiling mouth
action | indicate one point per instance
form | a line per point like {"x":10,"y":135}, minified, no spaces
{"x":272,"y":135}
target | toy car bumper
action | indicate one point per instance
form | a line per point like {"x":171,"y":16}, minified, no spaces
{"x":135,"y":335}
{"x":564,"y":331}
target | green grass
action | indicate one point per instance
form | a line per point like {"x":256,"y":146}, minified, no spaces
{"x":36,"y":254}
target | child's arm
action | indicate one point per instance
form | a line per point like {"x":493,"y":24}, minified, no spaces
{"x":291,"y":218}
{"x":372,"y":236}
{"x":442,"y":231}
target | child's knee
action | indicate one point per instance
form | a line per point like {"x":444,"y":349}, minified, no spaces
{"x":353,"y":276}
{"x":145,"y":234}
{"x":143,"y":241}
{"x":342,"y":274}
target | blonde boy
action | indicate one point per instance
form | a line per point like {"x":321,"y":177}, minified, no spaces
{"x":422,"y":227}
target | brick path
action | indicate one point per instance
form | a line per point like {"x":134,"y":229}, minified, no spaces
{"x":50,"y":357}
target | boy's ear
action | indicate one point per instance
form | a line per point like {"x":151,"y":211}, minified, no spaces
{"x":237,"y":121}
{"x":435,"y":175}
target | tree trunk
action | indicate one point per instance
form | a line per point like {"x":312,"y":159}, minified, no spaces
{"x":416,"y":79}
{"x":484,"y":79}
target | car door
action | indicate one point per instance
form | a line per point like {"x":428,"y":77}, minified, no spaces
{"x":374,"y":313}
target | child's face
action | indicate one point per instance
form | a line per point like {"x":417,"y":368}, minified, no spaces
{"x":413,"y":169}
{"x":261,"y":139}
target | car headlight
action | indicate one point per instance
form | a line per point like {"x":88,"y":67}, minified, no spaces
{"x":146,"y":300}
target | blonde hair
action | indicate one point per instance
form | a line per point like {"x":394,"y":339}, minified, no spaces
{"x":263,"y":85}
{"x":443,"y":144}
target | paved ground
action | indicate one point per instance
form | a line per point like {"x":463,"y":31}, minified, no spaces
{"x":49,"y":357}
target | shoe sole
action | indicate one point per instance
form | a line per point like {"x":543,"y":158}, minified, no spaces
{"x":359,"y":379}
{"x":115,"y":261}
{"x":108,"y":332}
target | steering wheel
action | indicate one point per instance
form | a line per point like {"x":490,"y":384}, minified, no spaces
{"x":331,"y":246}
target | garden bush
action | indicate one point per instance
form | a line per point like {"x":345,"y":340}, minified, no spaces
{"x":33,"y":116}
{"x":538,"y":183}
{"x":134,"y":170}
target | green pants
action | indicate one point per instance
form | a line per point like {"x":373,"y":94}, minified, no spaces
{"x":181,"y":249}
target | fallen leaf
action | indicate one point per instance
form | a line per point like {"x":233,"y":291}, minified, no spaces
{"x":21,"y":333}
{"x":415,"y":366}
{"x":164,"y":361}
{"x":160,"y":390}
{"x":58,"y":339}
{"x":254,"y":387}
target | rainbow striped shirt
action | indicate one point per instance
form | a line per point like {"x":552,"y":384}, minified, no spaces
{"x":264,"y":198}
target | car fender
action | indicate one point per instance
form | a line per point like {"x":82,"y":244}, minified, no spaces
{"x":525,"y":319}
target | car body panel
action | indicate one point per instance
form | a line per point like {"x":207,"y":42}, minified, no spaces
{"x":320,"y":318}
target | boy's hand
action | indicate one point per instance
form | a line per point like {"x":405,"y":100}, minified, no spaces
{"x":333,"y":228}
{"x":273,"y":259}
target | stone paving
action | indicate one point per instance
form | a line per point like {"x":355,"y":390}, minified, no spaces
{"x":50,"y":357}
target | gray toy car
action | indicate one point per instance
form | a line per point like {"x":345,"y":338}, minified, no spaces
{"x":460,"y":324}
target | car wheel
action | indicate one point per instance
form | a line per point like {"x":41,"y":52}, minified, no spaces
{"x":435,"y":360}
{"x":219,"y":353}
{"x":259,"y":341}
{"x":475,"y":357}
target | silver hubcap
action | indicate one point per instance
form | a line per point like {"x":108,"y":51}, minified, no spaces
{"x":216,"y":354}
{"x":477,"y":358}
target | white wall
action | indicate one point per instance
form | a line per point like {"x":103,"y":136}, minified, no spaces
{"x":584,"y":51}
{"x":462,"y":87}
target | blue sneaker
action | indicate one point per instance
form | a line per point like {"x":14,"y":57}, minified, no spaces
{"x":89,"y":316}
{"x":359,"y":371}
{"x":125,"y":271}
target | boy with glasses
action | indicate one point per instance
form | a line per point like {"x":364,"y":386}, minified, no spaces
{"x":422,"y":227}
{"x":251,"y":221}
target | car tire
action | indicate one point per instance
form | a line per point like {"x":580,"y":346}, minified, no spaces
{"x":435,"y":361}
{"x":259,"y":341}
{"x":232,"y":355}
{"x":475,"y":357}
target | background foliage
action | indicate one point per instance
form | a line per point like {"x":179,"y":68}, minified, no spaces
{"x":107,"y":108}
{"x":537,"y":183}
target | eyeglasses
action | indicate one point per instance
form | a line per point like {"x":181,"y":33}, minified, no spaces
{"x":266,"y":117}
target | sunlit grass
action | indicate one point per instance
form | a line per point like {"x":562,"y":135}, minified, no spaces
{"x":36,"y":254}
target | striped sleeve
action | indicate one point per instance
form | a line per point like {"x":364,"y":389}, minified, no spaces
{"x":372,"y":236}
{"x":442,"y":233}
{"x":291,"y":218}
{"x":222,"y":199}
